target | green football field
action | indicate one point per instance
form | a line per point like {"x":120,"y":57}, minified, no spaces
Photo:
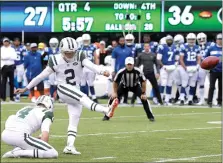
{"x":179,"y":134}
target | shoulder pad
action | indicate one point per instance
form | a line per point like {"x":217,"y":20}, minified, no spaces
{"x":212,"y":44}
{"x":49,"y":115}
{"x":155,"y":43}
{"x":182,"y":46}
{"x":161,"y":47}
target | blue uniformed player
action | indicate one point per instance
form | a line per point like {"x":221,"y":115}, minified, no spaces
{"x":129,"y":41}
{"x":52,"y":50}
{"x":88,"y":76}
{"x":190,"y":59}
{"x":19,"y":72}
{"x":204,"y":46}
{"x":146,"y":39}
{"x":178,"y":41}
{"x":167,"y":54}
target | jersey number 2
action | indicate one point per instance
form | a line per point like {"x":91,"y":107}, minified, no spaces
{"x":70,"y":77}
{"x":24,"y":113}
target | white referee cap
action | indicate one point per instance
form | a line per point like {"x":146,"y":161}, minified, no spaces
{"x":129,"y":60}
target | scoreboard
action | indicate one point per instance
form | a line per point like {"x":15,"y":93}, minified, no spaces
{"x":110,"y":16}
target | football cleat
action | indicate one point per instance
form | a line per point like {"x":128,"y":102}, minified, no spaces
{"x":200,"y":103}
{"x":112,"y":107}
{"x":11,"y":154}
{"x":181,"y":102}
{"x":190,"y":103}
{"x":168,"y":104}
{"x":105,"y":118}
{"x":71,"y":150}
{"x":152,"y":119}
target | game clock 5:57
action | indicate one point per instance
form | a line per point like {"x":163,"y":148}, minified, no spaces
{"x":79,"y":24}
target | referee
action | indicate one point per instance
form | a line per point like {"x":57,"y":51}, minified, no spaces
{"x":131,"y":79}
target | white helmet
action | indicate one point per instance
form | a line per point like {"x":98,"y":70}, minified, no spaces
{"x":162,"y":41}
{"x":129,"y":39}
{"x":178,"y":39}
{"x":86,"y":39}
{"x":46,"y":101}
{"x":53,"y":43}
{"x":79,"y":41}
{"x":201,"y":38}
{"x":191,"y":39}
{"x":68,"y":45}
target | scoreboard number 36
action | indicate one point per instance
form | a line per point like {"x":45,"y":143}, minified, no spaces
{"x":186,"y":18}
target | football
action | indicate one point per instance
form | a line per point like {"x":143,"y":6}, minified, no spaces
{"x":209,"y":62}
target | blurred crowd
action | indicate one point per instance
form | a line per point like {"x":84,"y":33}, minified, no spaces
{"x":174,"y":61}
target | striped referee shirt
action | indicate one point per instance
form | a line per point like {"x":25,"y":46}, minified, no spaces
{"x":129,"y":78}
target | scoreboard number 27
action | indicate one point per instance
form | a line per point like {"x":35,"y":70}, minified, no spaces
{"x":32,"y":12}
{"x":184,"y":17}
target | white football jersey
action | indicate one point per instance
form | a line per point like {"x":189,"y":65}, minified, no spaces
{"x":28,"y":119}
{"x":67,"y":72}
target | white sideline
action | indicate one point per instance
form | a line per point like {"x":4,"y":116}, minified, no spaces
{"x":156,"y":115}
{"x":122,"y":106}
{"x":188,"y":158}
{"x":102,"y":158}
{"x":135,"y":132}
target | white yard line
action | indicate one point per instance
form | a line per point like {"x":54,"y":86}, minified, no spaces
{"x":136,"y":132}
{"x":174,"y":138}
{"x":156,"y":115}
{"x":188,"y":158}
{"x":102,"y":158}
{"x":214,"y":122}
{"x":121,"y":137}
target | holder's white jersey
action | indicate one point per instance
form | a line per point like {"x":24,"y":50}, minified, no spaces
{"x":29,"y":119}
{"x":67,"y":72}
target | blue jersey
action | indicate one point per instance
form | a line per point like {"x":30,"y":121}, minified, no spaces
{"x":120,"y":54}
{"x":133,"y":49}
{"x":204,"y":48}
{"x":20,"y":51}
{"x":168,"y":54}
{"x":50,"y":52}
{"x":153,"y":47}
{"x":190,"y":54}
{"x":89,"y":51}
{"x":215,"y":50}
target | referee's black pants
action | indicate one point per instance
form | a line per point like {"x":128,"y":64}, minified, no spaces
{"x":138,"y":92}
{"x":7,"y":72}
{"x":152,"y":79}
{"x":213,"y":77}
